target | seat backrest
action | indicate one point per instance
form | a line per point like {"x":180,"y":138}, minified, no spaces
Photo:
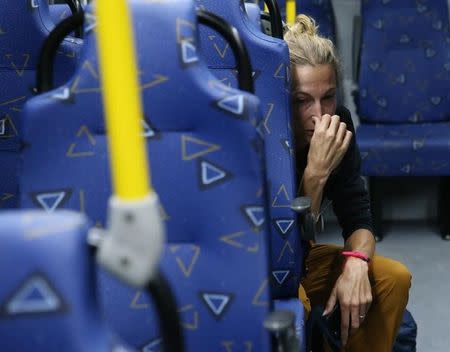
{"x":40,"y":308}
{"x":270,"y":61}
{"x":58,"y":12}
{"x":24,"y":25}
{"x":404,"y":68}
{"x":322,"y":12}
{"x":206,"y":166}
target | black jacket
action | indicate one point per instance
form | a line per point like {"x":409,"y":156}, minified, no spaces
{"x":345,"y":187}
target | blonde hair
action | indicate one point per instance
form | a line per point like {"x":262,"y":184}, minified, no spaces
{"x":306,"y":47}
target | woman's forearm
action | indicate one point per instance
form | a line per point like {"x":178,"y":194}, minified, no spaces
{"x":361,"y":240}
{"x":313,"y":186}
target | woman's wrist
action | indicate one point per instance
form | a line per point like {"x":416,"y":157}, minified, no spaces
{"x":315,"y":176}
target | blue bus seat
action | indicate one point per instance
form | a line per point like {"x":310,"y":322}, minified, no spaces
{"x":206,"y":166}
{"x":24,"y":25}
{"x":322,"y":12}
{"x":403,"y":101}
{"x":59,"y":12}
{"x":40,"y":308}
{"x":270,"y":60}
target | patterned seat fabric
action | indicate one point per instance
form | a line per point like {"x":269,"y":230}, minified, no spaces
{"x":405,"y":150}
{"x":40,"y":309}
{"x":270,"y":61}
{"x":23,"y":27}
{"x":58,"y":12}
{"x":207,"y":168}
{"x":404,"y":77}
{"x":322,"y":12}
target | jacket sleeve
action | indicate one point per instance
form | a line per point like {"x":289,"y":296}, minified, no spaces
{"x":347,"y":190}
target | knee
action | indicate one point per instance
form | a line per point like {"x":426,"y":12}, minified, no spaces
{"x":399,"y":277}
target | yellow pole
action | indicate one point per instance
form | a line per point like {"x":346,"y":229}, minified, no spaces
{"x":290,"y":11}
{"x":121,"y":100}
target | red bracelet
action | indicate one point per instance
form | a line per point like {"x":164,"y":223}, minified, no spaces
{"x":356,"y":255}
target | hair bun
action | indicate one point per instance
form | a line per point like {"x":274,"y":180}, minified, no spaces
{"x":305,"y":25}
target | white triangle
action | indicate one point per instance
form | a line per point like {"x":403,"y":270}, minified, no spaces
{"x":34,"y":4}
{"x":49,"y":302}
{"x":2,"y":127}
{"x":154,"y":346}
{"x":148,"y":132}
{"x":63,"y":94}
{"x":280,"y":279}
{"x":217,"y":309}
{"x":251,"y":212}
{"x":284,"y":225}
{"x":91,"y":22}
{"x":189,"y":52}
{"x":234,"y":104}
{"x":220,"y":174}
{"x":56,"y":196}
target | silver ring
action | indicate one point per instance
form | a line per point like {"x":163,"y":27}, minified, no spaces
{"x":362,"y":316}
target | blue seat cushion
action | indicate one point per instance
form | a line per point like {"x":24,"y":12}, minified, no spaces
{"x":322,"y":12}
{"x":9,"y":189}
{"x":407,"y":149}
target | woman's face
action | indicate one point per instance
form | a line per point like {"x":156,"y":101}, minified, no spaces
{"x":313,"y":94}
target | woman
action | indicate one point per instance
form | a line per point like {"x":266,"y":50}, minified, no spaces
{"x":372,"y":291}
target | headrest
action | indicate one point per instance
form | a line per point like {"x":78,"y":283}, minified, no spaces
{"x":48,"y":285}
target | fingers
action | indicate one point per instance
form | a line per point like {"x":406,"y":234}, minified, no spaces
{"x":325,"y":122}
{"x":347,"y":140}
{"x":331,"y":302}
{"x":334,"y":125}
{"x":340,"y":134}
{"x":345,"y":323}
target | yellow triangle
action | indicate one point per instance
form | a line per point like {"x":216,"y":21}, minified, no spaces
{"x":158,"y":79}
{"x":267,"y":117}
{"x":257,"y":298}
{"x":186,"y":269}
{"x":209,"y":147}
{"x":71,"y":153}
{"x":4,"y":123}
{"x":135,"y":303}
{"x":87,"y":65}
{"x":230,"y":239}
{"x":21,"y":69}
{"x":287,"y":246}
{"x":278,"y":71}
{"x":192,"y":324}
{"x":6,"y":196}
{"x":282,"y":199}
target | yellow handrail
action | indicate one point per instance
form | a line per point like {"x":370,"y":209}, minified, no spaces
{"x":291,"y":11}
{"x":121,"y":100}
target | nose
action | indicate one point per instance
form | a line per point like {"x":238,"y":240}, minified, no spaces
{"x":316,"y":109}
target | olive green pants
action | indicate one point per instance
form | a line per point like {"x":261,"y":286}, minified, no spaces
{"x":390,"y":281}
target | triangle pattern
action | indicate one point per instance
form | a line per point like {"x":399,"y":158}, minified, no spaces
{"x":186,"y":256}
{"x":280,"y":275}
{"x":36,"y":296}
{"x":192,"y":148}
{"x":217,"y":303}
{"x":62,"y":94}
{"x":282,"y":199}
{"x":255,"y":214}
{"x":211,"y":175}
{"x":153,"y":346}
{"x":233,"y":104}
{"x":148,"y":131}
{"x":188,"y":52}
{"x":84,"y":133}
{"x":284,"y":226}
{"x":50,"y":201}
{"x":7,"y":127}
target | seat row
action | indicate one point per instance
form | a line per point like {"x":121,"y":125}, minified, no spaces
{"x":222,"y":164}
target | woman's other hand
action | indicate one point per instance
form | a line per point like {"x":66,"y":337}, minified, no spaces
{"x":354,"y":294}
